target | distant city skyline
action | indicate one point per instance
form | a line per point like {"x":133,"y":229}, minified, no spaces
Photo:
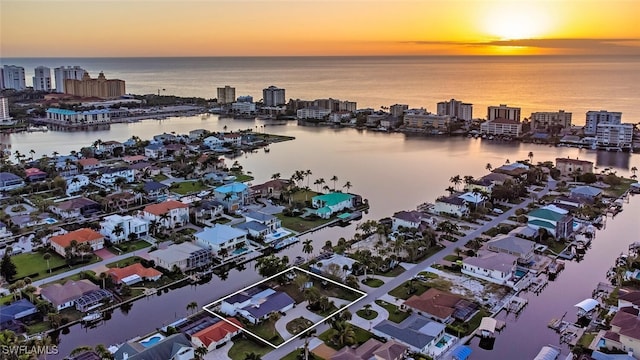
{"x":139,"y":28}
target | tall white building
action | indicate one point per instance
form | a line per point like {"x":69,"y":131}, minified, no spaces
{"x":544,"y":120}
{"x":455,"y":108}
{"x":5,"y":119}
{"x":226,"y":95}
{"x":397,"y":110}
{"x":273,"y":96}
{"x":594,"y":118}
{"x":42,"y":79}
{"x":503,"y":127}
{"x":503,"y":112}
{"x":13,"y":77}
{"x":69,"y":72}
{"x":615,"y":135}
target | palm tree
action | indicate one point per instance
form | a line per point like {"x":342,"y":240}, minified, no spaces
{"x":47,"y":257}
{"x":367,"y":309}
{"x":307,"y":246}
{"x":153,"y":226}
{"x":347,"y":185}
{"x":306,"y":336}
{"x":274,"y":317}
{"x":326,"y":188}
{"x":456,"y":180}
{"x":633,"y":170}
{"x":200,"y":352}
{"x":451,"y":190}
{"x":530,"y":156}
{"x":224,"y":252}
{"x":103,"y":276}
{"x":118,"y":230}
{"x":192,"y":306}
{"x":275,"y":176}
{"x":344,"y":333}
{"x":308,"y":174}
{"x":252,"y":356}
{"x":334,"y":179}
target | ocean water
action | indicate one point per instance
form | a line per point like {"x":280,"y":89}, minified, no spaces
{"x":534,"y":83}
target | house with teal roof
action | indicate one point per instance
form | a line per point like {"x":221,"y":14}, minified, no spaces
{"x":233,"y":195}
{"x":556,"y":221}
{"x":331,"y":203}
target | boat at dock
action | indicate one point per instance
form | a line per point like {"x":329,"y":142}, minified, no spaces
{"x":286,"y":242}
{"x":92,"y":317}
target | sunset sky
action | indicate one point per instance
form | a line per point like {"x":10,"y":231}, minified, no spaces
{"x":92,"y":28}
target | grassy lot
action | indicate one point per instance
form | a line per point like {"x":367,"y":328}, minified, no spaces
{"x":292,"y":290}
{"x":188,"y":187}
{"x":372,"y":282}
{"x":240,"y":177}
{"x":160,"y":177}
{"x":458,"y":328}
{"x":361,"y":337}
{"x":393,"y":272}
{"x":124,"y":262}
{"x":129,"y":246}
{"x":242,"y":347}
{"x":38,"y":327}
{"x":273,"y":138}
{"x":337,"y":291}
{"x":298,"y":224}
{"x":395,"y":315}
{"x":267,"y":330}
{"x":452,"y":258}
{"x":427,"y":254}
{"x":616,"y":191}
{"x":586,"y":339}
{"x":401,"y":291}
{"x":30,"y":263}
{"x":555,"y":246}
{"x":295,"y":353}
{"x":363,"y":314}
{"x":74,"y":277}
{"x":303,"y":195}
{"x":298,"y":325}
{"x":325,"y":313}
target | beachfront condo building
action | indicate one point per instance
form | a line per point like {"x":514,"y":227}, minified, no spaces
{"x":594,"y":118}
{"x":273,"y":96}
{"x":13,"y":77}
{"x":226,"y":95}
{"x":42,"y":79}
{"x":615,"y":135}
{"x":503,"y":127}
{"x":100,"y":87}
{"x":5,"y":119}
{"x":69,"y":72}
{"x":398,"y":110}
{"x":426,"y":121}
{"x":456,"y":109}
{"x":548,"y":119}
{"x":503,"y":112}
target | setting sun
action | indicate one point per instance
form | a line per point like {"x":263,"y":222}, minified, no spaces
{"x":517,"y":20}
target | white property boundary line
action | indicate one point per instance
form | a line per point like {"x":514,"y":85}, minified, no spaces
{"x":362,"y":293}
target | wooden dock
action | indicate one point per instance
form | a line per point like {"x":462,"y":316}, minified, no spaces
{"x":516,"y":304}
{"x":539,"y":284}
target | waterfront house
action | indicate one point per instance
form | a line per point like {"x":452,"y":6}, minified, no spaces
{"x":170,"y":214}
{"x":512,"y":245}
{"x":268,"y":220}
{"x":441,"y":306}
{"x":483,"y":184}
{"x":558,"y":222}
{"x":418,"y":333}
{"x":232,"y":139}
{"x":164,"y":138}
{"x":586,"y":192}
{"x":213,"y":142}
{"x":221,"y":237}
{"x":208,"y":209}
{"x":134,"y":159}
{"x":89,"y":164}
{"x":155,"y":151}
{"x":411,"y":219}
{"x":629,"y":299}
{"x":59,"y":243}
{"x":271,"y":189}
{"x":516,"y":170}
{"x":233,"y":195}
{"x":217,"y":334}
{"x":112,"y":147}
{"x":133,"y":274}
{"x":568,"y":167}
{"x":121,"y":200}
{"x":155,"y":191}
{"x":173,"y":347}
{"x":15,"y":311}
{"x":471,"y":198}
{"x":27,"y":220}
{"x":571,"y":203}
{"x":9,"y":181}
{"x":82,"y":293}
{"x":624,"y":334}
{"x":76,"y":183}
{"x":185,"y":256}
{"x":70,"y":117}
{"x":256,"y":304}
{"x":254,"y":229}
{"x":109,"y":176}
{"x":35,"y":174}
{"x":126,"y":225}
{"x":336,"y":265}
{"x":495,"y":267}
{"x":497,"y":178}
{"x":197,"y":133}
{"x":75,"y":208}
{"x":452,"y":205}
{"x":372,"y":349}
{"x":331,"y":203}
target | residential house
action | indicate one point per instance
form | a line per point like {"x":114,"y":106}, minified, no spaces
{"x":558,"y":222}
{"x":155,"y":191}
{"x":133,"y":274}
{"x":115,"y":148}
{"x":271,"y":189}
{"x":164,"y":138}
{"x":76,"y":183}
{"x":569,"y":166}
{"x":59,"y":243}
{"x":418,"y":333}
{"x":170,"y":214}
{"x":471,"y":198}
{"x":268,"y":220}
{"x":233,"y":195}
{"x":134,"y":159}
{"x":441,"y":306}
{"x":82,"y":293}
{"x":516,"y":170}
{"x":9,"y":181}
{"x":121,"y":200}
{"x":197,"y":133}
{"x":185,"y":256}
{"x":117,"y":228}
{"x":586,"y":192}
{"x":255,"y":229}
{"x":155,"y":151}
{"x":512,"y":245}
{"x":109,"y":176}
{"x":4,"y":232}
{"x":624,"y":334}
{"x":75,"y":208}
{"x":27,"y":220}
{"x":483,"y":184}
{"x":495,"y":267}
{"x":497,"y":178}
{"x":629,"y":299}
{"x":571,"y":203}
{"x":15,"y":311}
{"x":336,"y":265}
{"x":35,"y":174}
{"x":173,"y":347}
{"x":232,"y":139}
{"x":89,"y":164}
{"x":175,"y":149}
{"x":331,"y":203}
{"x":208,"y":209}
{"x":410,"y":219}
{"x":256,"y":304}
{"x":452,"y":205}
{"x":213,"y":142}
{"x":372,"y":349}
{"x":221,"y":237}
{"x":217,"y":334}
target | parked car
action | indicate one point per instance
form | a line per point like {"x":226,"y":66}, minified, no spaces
{"x":498,"y":211}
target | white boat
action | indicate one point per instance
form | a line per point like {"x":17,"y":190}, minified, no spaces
{"x":92,"y":317}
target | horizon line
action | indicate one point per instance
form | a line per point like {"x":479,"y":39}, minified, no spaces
{"x":319,"y":56}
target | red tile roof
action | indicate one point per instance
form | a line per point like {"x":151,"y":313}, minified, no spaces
{"x":435,"y":302}
{"x":135,"y":269}
{"x":573,"y":161}
{"x":164,"y":207}
{"x":33,"y":171}
{"x":89,"y":162}
{"x":217,"y":331}
{"x":81,"y":236}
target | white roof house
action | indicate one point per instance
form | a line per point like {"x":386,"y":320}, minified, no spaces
{"x":219,"y":237}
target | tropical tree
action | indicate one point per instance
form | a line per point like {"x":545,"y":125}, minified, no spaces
{"x":307,"y":246}
{"x":306,"y":336}
{"x":103,"y":276}
{"x":252,"y":356}
{"x":46,"y":258}
{"x":530,"y":156}
{"x":347,"y":185}
{"x":344,"y":334}
{"x":488,"y":167}
{"x":275,"y":176}
{"x":224,"y":252}
{"x":334,"y":178}
{"x":451,"y":190}
{"x":270,"y":265}
{"x":274,"y":317}
{"x":192,"y":306}
{"x":308,"y":174}
{"x":200,"y":352}
{"x":367,"y":309}
{"x":118,"y":230}
{"x":456,"y":181}
{"x":352,"y":281}
{"x":633,"y":170}
{"x":7,"y":267}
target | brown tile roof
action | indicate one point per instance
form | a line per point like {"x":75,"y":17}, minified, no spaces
{"x":610,"y":335}
{"x":164,"y":207}
{"x":134,"y":158}
{"x":628,"y":322}
{"x":435,"y":302}
{"x":390,"y":350}
{"x":217,"y":331}
{"x":573,"y":161}
{"x":135,"y":269}
{"x":632,"y":297}
{"x":276,"y":184}
{"x":76,"y":203}
{"x":71,"y":290}
{"x":81,"y":236}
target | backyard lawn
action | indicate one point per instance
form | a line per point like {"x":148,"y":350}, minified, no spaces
{"x":267,"y":331}
{"x":240,"y":177}
{"x":395,"y":315}
{"x":362,"y":336}
{"x":298,"y":224}
{"x":129,"y":246}
{"x":301,"y":196}
{"x":29,"y":264}
{"x":188,"y":187}
{"x":124,"y":262}
{"x":393,"y":272}
{"x":241,"y":347}
{"x":401,"y":292}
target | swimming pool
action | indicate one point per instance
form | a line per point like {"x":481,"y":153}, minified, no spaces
{"x":239,"y":251}
{"x":50,"y":221}
{"x":520,"y":273}
{"x":445,"y":339}
{"x":151,"y":340}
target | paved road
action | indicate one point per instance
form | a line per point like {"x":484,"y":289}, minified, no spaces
{"x":408,"y":274}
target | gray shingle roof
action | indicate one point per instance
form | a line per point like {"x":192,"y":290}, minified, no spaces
{"x":253,"y":225}
{"x":274,"y":302}
{"x":415,"y":330}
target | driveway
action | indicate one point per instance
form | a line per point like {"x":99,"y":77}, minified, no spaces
{"x":221,"y":353}
{"x":299,"y":311}
{"x":383,"y":314}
